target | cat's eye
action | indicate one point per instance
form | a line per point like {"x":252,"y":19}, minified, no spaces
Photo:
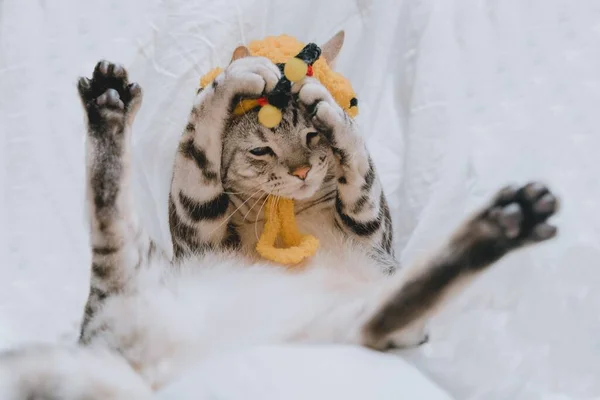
{"x":312,"y":138}
{"x":262,"y":151}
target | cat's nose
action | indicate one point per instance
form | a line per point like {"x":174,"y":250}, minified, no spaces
{"x":301,"y":172}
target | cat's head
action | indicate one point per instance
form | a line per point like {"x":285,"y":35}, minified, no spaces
{"x":291,"y":160}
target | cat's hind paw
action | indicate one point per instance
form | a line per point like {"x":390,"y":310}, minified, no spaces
{"x":516,"y":217}
{"x":521,"y":215}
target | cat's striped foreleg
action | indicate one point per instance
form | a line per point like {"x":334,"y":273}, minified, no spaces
{"x":361,"y":207}
{"x":199,"y":210}
{"x":120,"y":246}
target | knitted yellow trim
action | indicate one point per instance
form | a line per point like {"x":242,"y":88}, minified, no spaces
{"x":280,"y":220}
{"x":280,"y":49}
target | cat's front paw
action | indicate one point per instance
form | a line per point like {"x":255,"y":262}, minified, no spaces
{"x":109,"y":95}
{"x":249,"y":77}
{"x":326,"y":114}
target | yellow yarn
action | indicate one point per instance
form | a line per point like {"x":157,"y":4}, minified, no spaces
{"x":210,"y":76}
{"x":244,"y":106}
{"x":280,"y":49}
{"x":280,"y":220}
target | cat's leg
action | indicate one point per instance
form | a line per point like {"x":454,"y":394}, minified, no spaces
{"x":198,"y":207}
{"x":119,"y":244}
{"x":119,"y":248}
{"x":515,"y":218}
{"x":361,"y":207}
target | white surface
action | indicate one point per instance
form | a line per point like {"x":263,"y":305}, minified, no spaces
{"x":299,"y":373}
{"x":461,"y":98}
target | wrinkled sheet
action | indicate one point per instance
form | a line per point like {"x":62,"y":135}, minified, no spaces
{"x":457,"y":99}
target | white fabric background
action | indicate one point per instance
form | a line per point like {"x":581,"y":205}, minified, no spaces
{"x":458,"y":97}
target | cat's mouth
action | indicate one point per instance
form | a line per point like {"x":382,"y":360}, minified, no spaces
{"x":302,"y":191}
{"x":305,"y":191}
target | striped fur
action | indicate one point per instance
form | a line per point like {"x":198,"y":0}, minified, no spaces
{"x":199,"y":208}
{"x":119,"y":245}
{"x":361,"y":207}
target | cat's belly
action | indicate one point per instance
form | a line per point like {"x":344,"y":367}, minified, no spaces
{"x":220,"y":303}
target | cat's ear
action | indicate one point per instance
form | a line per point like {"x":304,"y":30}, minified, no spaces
{"x":240,"y":52}
{"x":331,"y":49}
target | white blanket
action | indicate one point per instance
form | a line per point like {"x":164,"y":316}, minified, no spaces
{"x":457,"y":98}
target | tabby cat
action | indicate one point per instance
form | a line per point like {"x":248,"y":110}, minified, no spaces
{"x":148,"y":319}
{"x":226,"y":166}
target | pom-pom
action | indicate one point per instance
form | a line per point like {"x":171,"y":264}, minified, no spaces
{"x":295,"y":69}
{"x":269,"y":116}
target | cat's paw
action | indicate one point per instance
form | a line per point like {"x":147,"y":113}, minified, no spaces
{"x":412,"y":337}
{"x":521,"y":214}
{"x":516,"y":217}
{"x":248,"y":77}
{"x":109,"y":95}
{"x":320,"y":104}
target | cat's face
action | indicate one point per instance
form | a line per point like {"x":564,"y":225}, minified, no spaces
{"x":291,"y":160}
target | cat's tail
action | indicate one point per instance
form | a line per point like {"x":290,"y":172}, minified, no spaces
{"x":53,"y":372}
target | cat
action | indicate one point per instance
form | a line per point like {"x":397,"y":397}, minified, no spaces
{"x":149,"y":319}
{"x":226,"y":166}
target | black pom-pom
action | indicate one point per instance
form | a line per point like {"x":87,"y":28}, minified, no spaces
{"x":281,"y":93}
{"x":310,"y":53}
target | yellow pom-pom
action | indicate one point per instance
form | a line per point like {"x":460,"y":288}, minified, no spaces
{"x":269,"y":116}
{"x":295,"y":69}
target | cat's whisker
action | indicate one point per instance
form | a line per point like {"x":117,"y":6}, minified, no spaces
{"x":236,"y":193}
{"x":252,"y":207}
{"x":256,"y":221}
{"x":233,"y":182}
{"x":285,"y":189}
{"x":252,"y":121}
{"x":274,"y":205}
{"x":226,"y":220}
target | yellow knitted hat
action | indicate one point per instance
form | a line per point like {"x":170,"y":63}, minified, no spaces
{"x":280,"y":49}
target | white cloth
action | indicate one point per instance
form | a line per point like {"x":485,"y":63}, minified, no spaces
{"x":303,"y":372}
{"x":459,"y":97}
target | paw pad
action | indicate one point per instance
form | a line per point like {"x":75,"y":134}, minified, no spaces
{"x":110,"y":98}
{"x":109,"y":88}
{"x":522,"y":214}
